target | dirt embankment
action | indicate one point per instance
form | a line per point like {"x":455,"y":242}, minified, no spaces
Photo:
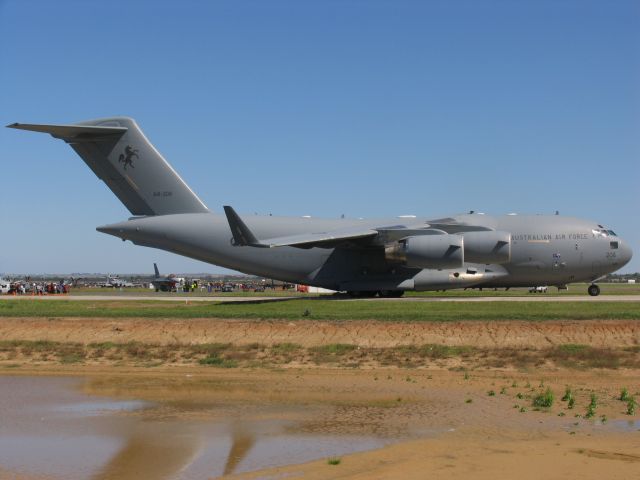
{"x":375,"y":334}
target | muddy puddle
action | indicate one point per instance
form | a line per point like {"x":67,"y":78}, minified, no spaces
{"x":79,"y":427}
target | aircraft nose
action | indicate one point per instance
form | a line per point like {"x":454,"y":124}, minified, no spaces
{"x":625,"y":253}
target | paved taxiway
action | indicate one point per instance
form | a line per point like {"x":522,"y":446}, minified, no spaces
{"x":260,"y":299}
{"x":160,"y":298}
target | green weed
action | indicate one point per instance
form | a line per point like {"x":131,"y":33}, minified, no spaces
{"x":624,"y":395}
{"x":216,"y":361}
{"x":544,"y":400}
{"x":591,"y":408}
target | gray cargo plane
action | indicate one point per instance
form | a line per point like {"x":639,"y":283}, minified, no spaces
{"x":382,"y":257}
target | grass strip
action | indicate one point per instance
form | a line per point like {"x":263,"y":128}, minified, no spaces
{"x":328,"y":310}
{"x":227,"y":355}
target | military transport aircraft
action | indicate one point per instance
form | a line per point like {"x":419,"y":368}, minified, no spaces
{"x":382,"y":257}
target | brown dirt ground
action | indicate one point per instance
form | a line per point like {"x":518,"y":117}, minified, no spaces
{"x":486,"y":438}
{"x":498,"y":334}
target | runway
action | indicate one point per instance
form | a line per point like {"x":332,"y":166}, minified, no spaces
{"x":155,"y":298}
{"x":262,"y":299}
{"x":533,"y":298}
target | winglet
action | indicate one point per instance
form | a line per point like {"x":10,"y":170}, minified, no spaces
{"x":242,"y":236}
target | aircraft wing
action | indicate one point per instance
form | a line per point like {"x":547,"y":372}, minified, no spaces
{"x":369,"y":236}
{"x":451,"y":225}
{"x":242,"y":236}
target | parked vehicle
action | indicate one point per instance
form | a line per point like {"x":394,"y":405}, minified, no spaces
{"x":541,"y":289}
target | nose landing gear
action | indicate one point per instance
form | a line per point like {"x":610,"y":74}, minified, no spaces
{"x":594,"y":290}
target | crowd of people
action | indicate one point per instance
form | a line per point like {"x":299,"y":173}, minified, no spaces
{"x":38,"y":288}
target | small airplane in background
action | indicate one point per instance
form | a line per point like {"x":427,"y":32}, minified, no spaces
{"x":169,"y":283}
{"x":115,"y":282}
{"x":382,"y":257}
{"x":5,"y":285}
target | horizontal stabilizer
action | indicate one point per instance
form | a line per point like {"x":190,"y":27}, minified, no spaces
{"x":70,"y":132}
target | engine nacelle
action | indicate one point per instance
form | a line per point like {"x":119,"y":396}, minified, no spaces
{"x":427,"y":251}
{"x":487,"y":247}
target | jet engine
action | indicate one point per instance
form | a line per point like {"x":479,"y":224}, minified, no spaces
{"x":488,"y":247}
{"x":427,"y":251}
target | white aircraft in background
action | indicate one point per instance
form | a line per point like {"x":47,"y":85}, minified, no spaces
{"x":115,"y":282}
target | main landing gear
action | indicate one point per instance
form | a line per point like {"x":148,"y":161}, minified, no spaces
{"x":374,"y":293}
{"x":391,"y":293}
{"x":594,"y":290}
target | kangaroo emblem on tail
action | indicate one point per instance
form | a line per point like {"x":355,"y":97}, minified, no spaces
{"x":127,"y":157}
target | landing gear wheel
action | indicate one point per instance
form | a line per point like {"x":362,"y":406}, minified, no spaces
{"x":594,"y":290}
{"x":362,"y":293}
{"x":391,"y":293}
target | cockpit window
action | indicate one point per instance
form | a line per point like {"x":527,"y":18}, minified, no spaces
{"x":613,"y":245}
{"x":603,"y":232}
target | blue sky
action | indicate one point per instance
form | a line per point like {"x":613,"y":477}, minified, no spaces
{"x":362,"y":108}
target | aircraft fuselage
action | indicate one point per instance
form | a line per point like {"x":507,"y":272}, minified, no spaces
{"x":545,"y":250}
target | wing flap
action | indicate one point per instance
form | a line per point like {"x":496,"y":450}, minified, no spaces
{"x":308,"y":240}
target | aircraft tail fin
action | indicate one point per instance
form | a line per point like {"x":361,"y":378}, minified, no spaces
{"x":155,"y":267}
{"x":119,"y":154}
